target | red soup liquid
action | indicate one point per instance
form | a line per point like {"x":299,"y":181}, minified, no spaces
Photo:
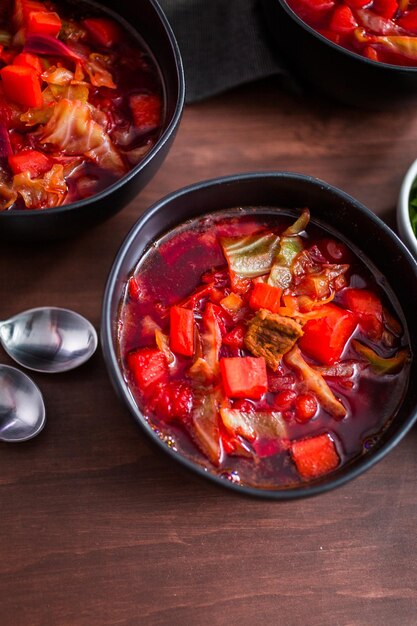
{"x":265,"y":350}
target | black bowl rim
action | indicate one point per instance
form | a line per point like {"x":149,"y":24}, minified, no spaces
{"x":162,"y":140}
{"x":344,"y":51}
{"x":359,"y":465}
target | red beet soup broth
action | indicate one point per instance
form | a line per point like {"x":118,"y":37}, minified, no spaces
{"x":81,"y":102}
{"x":267,"y":351}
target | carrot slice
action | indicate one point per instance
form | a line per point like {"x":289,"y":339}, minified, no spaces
{"x":314,"y":456}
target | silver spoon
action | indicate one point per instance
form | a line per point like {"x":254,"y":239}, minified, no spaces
{"x":48,"y":339}
{"x":22,"y":411}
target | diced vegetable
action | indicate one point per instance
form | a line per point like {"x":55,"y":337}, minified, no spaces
{"x":324,"y":339}
{"x":103,"y":30}
{"x":21,"y":85}
{"x":409,"y":21}
{"x":23,"y":9}
{"x":368,"y":308}
{"x":379,"y":364}
{"x":250,"y":256}
{"x":265,"y":296}
{"x":28,"y":60}
{"x":244,"y":377}
{"x":146,"y":111}
{"x":281,"y":274}
{"x":182,"y":331}
{"x":343,"y":20}
{"x":235,"y":337}
{"x":148,"y":366}
{"x":232,"y":303}
{"x":314,"y":382}
{"x":385,"y":8}
{"x":314,"y":456}
{"x":254,"y":424}
{"x":44,"y":23}
{"x":320,"y":285}
{"x":171,"y":400}
{"x":32,"y":161}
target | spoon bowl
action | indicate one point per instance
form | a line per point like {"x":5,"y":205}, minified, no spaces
{"x":22,"y":411}
{"x":48,"y":339}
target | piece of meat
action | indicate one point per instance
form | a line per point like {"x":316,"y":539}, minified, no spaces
{"x":271,"y":335}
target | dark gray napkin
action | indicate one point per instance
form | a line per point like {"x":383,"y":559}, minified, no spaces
{"x":223,"y":44}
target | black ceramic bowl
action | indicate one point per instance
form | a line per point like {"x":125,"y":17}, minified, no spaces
{"x":146,"y":21}
{"x":350,"y":220}
{"x":323,"y":66}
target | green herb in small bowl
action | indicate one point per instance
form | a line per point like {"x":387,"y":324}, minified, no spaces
{"x":407,"y":209}
{"x":413,"y":207}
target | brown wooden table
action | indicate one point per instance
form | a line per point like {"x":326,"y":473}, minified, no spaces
{"x":99,"y":529}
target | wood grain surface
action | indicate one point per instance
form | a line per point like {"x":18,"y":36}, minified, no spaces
{"x":97,"y":528}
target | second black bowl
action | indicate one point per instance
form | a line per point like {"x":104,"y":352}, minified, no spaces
{"x":323,"y":66}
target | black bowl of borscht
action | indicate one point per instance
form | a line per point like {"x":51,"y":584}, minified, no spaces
{"x":360,"y":52}
{"x":90,"y":101}
{"x":260,"y":329}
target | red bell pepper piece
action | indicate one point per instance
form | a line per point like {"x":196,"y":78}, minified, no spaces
{"x":409,"y":21}
{"x":368,"y":308}
{"x":148,"y":366}
{"x":21,"y":85}
{"x":244,"y":377}
{"x":22,"y":10}
{"x":171,"y":400}
{"x":103,"y":30}
{"x":371,"y":53}
{"x":32,"y":161}
{"x":29,"y":60}
{"x":324,"y":339}
{"x":235,"y":337}
{"x":385,"y":8}
{"x":342,"y":20}
{"x":181,"y":336}
{"x":265,"y":296}
{"x":146,"y":111}
{"x":314,"y":456}
{"x":44,"y":23}
{"x":357,"y":4}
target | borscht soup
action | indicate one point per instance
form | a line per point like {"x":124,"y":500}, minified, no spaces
{"x":262,"y":347}
{"x":81,"y":102}
{"x":380,"y":30}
